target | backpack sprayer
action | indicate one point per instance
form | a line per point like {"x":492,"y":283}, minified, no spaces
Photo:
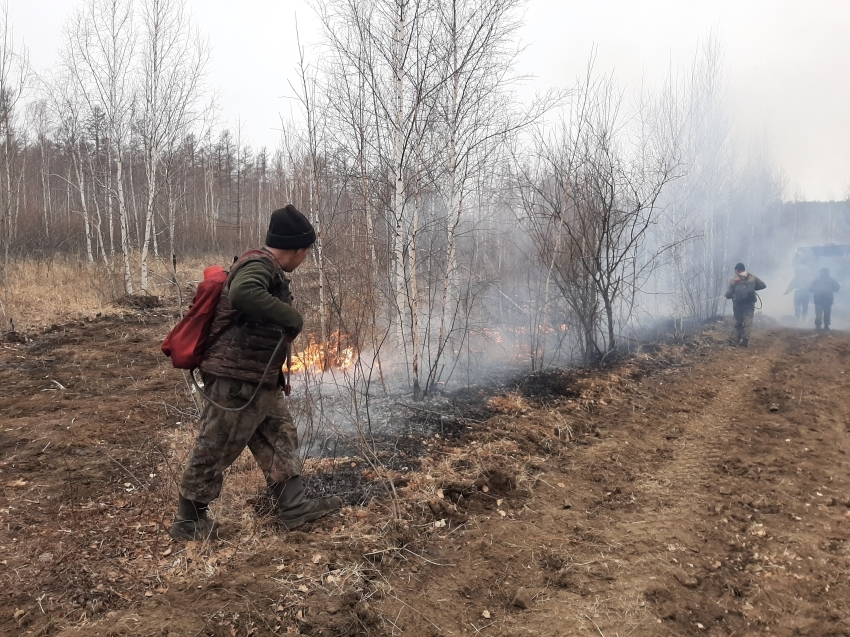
{"x":186,"y":341}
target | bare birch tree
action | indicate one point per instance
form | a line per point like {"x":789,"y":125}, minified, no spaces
{"x":173,"y":63}
{"x":14,"y":73}
{"x":606,"y":174}
{"x":99,"y":53}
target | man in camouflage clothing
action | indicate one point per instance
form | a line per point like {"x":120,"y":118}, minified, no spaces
{"x":823,"y":289}
{"x":802,"y":294}
{"x":241,"y":366}
{"x":742,"y":293}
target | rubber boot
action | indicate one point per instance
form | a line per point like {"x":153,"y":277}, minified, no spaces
{"x":192,"y":521}
{"x":293,"y":509}
{"x":745,"y":342}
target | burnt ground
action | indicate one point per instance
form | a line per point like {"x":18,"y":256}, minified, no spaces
{"x":694,"y":490}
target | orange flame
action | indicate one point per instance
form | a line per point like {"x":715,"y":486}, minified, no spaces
{"x":336,"y":353}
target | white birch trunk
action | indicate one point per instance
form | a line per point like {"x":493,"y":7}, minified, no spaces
{"x":123,"y":217}
{"x":400,"y":237}
{"x":81,"y":180}
{"x":152,"y":161}
{"x":455,"y":205}
{"x":110,"y":211}
{"x":414,"y":287}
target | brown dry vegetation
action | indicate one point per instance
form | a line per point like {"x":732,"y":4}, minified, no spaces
{"x":693,"y":489}
{"x":38,"y":293}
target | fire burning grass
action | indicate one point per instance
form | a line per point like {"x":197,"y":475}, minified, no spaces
{"x":336,"y":353}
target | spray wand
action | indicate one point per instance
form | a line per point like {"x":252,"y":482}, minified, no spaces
{"x":287,"y":386}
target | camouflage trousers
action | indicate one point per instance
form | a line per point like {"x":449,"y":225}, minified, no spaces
{"x":801,"y":303}
{"x":743,"y":320}
{"x":823,"y":314}
{"x":265,"y":427}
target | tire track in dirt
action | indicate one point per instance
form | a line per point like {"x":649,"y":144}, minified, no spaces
{"x":670,"y":529}
{"x":738,"y":532}
{"x":647,"y":552}
{"x":717,"y":515}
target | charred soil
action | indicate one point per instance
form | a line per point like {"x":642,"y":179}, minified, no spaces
{"x":694,"y":490}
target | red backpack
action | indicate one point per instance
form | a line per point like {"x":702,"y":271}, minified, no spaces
{"x":185,"y":342}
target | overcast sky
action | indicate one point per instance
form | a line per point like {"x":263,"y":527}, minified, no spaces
{"x":787,"y":62}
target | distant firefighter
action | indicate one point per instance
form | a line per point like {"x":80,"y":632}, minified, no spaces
{"x":824,"y":288}
{"x":802,"y":294}
{"x":742,"y":293}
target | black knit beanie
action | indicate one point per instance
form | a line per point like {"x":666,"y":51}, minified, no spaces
{"x":739,"y":267}
{"x":289,"y":229}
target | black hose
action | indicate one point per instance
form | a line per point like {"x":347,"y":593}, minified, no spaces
{"x":256,"y":391}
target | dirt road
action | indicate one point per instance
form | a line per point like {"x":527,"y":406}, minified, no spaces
{"x":694,"y":490}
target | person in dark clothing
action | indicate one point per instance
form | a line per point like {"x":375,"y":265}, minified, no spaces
{"x":802,"y":295}
{"x":742,"y":293}
{"x":253,"y":314}
{"x":823,"y":290}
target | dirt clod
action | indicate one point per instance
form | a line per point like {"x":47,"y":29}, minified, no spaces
{"x":522,"y":598}
{"x":686,"y":579}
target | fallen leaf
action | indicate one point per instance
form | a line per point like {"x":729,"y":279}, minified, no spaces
{"x":561,"y":485}
{"x":440,"y":494}
{"x":17,"y":483}
{"x":317,"y":558}
{"x":485,"y":488}
{"x":148,"y":593}
{"x":166,"y":552}
{"x":226,"y":554}
{"x":486,"y":614}
{"x":303,"y":589}
{"x":503,"y":514}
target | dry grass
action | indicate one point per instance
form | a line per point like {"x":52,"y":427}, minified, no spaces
{"x":35,"y":294}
